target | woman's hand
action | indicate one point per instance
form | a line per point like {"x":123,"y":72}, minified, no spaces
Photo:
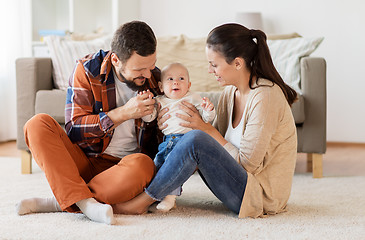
{"x":162,"y":117}
{"x":194,"y":121}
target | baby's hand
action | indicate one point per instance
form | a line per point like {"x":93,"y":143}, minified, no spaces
{"x":207,"y":105}
{"x":150,"y":95}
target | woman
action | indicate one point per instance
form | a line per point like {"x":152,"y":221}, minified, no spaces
{"x":247,"y":158}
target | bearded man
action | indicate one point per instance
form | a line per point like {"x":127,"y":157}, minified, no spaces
{"x":105,"y":155}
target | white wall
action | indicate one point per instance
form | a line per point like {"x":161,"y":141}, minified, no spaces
{"x":340,"y":22}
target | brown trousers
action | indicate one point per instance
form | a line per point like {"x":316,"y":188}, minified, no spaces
{"x":73,"y":176}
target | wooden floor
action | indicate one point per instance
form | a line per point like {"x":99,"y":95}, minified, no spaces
{"x":341,"y":159}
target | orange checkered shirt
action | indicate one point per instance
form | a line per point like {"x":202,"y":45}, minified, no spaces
{"x":90,"y":95}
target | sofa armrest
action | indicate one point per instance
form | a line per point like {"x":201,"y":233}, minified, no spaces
{"x":313,"y":83}
{"x":32,"y":74}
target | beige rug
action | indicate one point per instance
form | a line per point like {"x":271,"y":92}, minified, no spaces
{"x":327,"y":208}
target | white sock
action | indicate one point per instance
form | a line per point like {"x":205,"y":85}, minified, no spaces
{"x":37,"y":205}
{"x":167,"y":203}
{"x":96,"y":211}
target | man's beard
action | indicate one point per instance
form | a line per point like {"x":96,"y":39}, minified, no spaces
{"x":132,"y":85}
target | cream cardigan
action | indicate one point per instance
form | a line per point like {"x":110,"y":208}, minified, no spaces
{"x":268,"y":148}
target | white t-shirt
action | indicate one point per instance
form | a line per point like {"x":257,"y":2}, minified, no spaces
{"x":234,"y":135}
{"x":124,"y":140}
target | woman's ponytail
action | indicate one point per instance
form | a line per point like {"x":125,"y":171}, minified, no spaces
{"x":234,"y":40}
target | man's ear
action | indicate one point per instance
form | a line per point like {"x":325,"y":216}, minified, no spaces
{"x":160,"y":86}
{"x":115,"y":59}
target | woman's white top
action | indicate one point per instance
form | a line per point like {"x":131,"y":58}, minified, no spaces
{"x":234,"y":135}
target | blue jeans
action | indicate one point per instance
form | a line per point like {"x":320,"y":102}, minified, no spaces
{"x":219,"y":170}
{"x":164,"y":149}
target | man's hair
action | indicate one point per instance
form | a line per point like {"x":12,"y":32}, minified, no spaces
{"x":135,"y":36}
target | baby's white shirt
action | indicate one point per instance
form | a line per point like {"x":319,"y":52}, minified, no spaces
{"x":173,"y":123}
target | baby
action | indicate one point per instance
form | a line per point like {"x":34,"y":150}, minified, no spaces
{"x":175,"y":85}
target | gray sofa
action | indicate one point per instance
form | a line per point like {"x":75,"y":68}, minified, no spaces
{"x":36,"y":94}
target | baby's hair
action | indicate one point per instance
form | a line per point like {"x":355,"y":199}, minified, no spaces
{"x":167,"y":67}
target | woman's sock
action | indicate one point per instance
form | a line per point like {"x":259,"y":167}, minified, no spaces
{"x":37,"y":205}
{"x":96,"y":211}
{"x":167,"y":203}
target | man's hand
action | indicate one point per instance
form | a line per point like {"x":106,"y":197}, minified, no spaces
{"x":137,"y":107}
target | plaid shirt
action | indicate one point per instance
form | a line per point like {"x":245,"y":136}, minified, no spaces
{"x":90,"y":95}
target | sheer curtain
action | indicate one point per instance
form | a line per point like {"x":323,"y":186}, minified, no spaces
{"x":14,"y":42}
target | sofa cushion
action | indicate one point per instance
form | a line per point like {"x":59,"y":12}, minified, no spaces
{"x":191,"y":53}
{"x":51,"y":102}
{"x":283,"y":36}
{"x":65,"y":52}
{"x":286,"y":55}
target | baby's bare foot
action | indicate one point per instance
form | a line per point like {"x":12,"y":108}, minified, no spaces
{"x":136,"y":206}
